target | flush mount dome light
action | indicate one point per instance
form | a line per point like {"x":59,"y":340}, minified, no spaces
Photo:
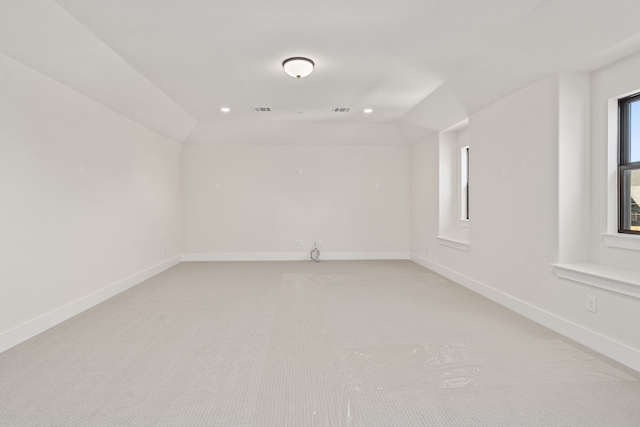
{"x":298,"y":67}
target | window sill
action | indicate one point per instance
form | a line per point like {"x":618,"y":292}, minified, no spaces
{"x":456,"y":244}
{"x":616,"y":280}
{"x":623,"y":241}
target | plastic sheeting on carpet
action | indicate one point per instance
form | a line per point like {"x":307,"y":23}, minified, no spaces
{"x":254,"y":345}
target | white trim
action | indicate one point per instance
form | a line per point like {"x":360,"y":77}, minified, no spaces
{"x":464,"y":223}
{"x":623,"y":241}
{"x":248,"y":256}
{"x":294,"y":256}
{"x":457,"y":244}
{"x":613,"y":349}
{"x":616,"y":280}
{"x":612,"y":164}
{"x":354,"y":256}
{"x":33,"y":327}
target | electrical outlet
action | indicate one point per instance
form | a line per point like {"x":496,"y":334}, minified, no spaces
{"x":592,"y":303}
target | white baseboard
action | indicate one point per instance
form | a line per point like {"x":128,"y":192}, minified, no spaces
{"x":33,"y":327}
{"x":246,"y":256}
{"x":294,"y":256}
{"x":355,"y":256}
{"x":617,"y":351}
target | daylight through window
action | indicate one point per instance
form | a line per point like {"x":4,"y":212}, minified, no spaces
{"x":629,"y":165}
{"x":464,"y":181}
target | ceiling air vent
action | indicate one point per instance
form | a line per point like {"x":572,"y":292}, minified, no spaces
{"x":261,"y":109}
{"x":341,"y":109}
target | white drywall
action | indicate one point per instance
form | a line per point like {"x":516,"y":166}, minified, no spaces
{"x":90,"y":199}
{"x":573,"y":167}
{"x":513,"y":181}
{"x":518,"y":172}
{"x":424,"y":196}
{"x":282,"y":132}
{"x":259,"y":200}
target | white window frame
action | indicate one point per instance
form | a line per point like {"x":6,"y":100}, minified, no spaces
{"x":612,"y":238}
{"x":464,"y":184}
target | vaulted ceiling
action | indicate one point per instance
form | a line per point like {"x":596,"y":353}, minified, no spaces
{"x":421,"y":65}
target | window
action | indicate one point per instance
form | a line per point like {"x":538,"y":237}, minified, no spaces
{"x":464,"y":183}
{"x":453,"y":186}
{"x":629,"y":165}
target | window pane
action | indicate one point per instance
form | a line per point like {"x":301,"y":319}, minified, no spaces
{"x":631,"y":192}
{"x":634,"y":131}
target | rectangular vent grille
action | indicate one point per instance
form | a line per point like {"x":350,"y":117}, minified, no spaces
{"x":261,"y":109}
{"x":341,"y":109}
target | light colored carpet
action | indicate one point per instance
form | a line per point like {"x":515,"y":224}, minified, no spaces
{"x":308,"y":344}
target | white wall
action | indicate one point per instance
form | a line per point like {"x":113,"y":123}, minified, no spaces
{"x":249,"y":200}
{"x":424,"y":197}
{"x":67,"y":237}
{"x":514,"y":194}
{"x":519,"y":176}
{"x":271,"y":131}
{"x":574,"y":178}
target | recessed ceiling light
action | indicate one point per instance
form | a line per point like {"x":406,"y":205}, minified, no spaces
{"x":368,"y":110}
{"x":225,"y":109}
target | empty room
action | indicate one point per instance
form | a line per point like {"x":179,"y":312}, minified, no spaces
{"x":320,"y":213}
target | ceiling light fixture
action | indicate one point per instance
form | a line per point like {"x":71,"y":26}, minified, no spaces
{"x":298,"y":67}
{"x":368,"y":110}
{"x":225,"y":109}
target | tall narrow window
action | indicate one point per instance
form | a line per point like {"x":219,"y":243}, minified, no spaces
{"x":464,"y":182}
{"x":629,"y":165}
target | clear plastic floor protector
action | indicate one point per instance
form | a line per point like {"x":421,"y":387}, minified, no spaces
{"x":208,"y":345}
{"x":372,"y":350}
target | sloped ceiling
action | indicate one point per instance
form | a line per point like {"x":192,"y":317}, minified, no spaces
{"x":42,"y":35}
{"x":421,"y":65}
